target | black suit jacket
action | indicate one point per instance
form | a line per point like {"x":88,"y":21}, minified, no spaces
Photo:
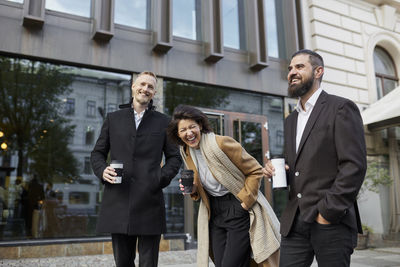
{"x":328,"y":170}
{"x":136,"y":206}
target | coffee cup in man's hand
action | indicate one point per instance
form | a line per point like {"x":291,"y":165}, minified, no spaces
{"x":118,"y":166}
{"x":279,"y":179}
{"x":187,"y":181}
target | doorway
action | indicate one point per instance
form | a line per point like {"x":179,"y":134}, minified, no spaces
{"x":250,"y":130}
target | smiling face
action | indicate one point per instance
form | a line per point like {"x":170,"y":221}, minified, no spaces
{"x":144,"y":89}
{"x":189,"y":132}
{"x":301,"y":76}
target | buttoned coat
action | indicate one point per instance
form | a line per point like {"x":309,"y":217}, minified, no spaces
{"x":136,"y":206}
{"x":328,"y":169}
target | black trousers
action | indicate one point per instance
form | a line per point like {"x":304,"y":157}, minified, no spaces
{"x":229,"y":232}
{"x":331,"y":244}
{"x":124,"y":249}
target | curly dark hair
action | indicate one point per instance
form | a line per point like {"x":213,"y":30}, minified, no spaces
{"x":183,"y":112}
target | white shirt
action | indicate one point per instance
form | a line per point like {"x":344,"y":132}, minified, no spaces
{"x":303,"y":116}
{"x":138,"y":117}
{"x":210,"y":184}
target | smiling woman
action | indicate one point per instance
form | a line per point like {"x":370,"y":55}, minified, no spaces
{"x":75,"y":7}
{"x":226,"y":181}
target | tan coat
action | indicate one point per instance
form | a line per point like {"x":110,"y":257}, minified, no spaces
{"x":250,"y":168}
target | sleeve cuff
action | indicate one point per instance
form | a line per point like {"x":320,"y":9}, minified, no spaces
{"x":195,"y":196}
{"x":330,"y":216}
{"x":246,"y":198}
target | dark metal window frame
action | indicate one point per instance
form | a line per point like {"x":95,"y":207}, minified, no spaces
{"x":382,"y":77}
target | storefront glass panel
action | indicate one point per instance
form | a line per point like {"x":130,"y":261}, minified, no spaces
{"x":51,"y":116}
{"x":229,"y":100}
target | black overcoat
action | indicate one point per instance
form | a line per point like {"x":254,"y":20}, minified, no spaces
{"x":136,"y":206}
{"x":328,"y":169}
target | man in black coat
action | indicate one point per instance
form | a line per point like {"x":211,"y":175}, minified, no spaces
{"x":134,"y":209}
{"x":325,"y":155}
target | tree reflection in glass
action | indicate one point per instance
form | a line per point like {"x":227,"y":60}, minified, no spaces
{"x":44,"y":191}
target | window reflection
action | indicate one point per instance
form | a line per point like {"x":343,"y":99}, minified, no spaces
{"x":111,"y":107}
{"x":75,"y":7}
{"x":134,"y":13}
{"x":185,"y":18}
{"x":385,"y":72}
{"x":16,"y":1}
{"x":233,"y":23}
{"x":69,"y":106}
{"x":47,"y":188}
{"x":272,"y":30}
{"x":91,"y":108}
{"x":224,"y":99}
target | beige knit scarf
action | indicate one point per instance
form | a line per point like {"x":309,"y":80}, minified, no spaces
{"x":264,"y":225}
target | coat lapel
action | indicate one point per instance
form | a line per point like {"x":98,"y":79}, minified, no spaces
{"x":311,"y":121}
{"x":146,"y":115}
{"x":292,"y":138}
{"x":132,"y":121}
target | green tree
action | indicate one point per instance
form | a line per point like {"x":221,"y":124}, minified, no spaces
{"x":376,"y":175}
{"x":30,"y":103}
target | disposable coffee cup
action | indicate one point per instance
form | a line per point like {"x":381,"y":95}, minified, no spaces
{"x":279,"y":179}
{"x":187,"y":181}
{"x":118,"y":166}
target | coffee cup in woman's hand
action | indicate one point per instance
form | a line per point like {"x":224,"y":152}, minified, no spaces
{"x":187,"y":181}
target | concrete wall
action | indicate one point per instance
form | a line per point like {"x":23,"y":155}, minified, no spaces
{"x":68,"y":39}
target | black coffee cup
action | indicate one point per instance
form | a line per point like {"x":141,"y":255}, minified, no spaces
{"x":118,"y":166}
{"x":187,"y":181}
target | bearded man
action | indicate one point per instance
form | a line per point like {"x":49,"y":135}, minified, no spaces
{"x":325,"y":155}
{"x":134,"y":210}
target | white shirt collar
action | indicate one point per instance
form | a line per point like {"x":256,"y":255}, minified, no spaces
{"x":310,"y":102}
{"x":140,"y":114}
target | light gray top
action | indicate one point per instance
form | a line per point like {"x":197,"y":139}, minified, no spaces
{"x":210,"y":184}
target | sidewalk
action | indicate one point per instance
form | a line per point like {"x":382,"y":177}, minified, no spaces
{"x":380,"y":257}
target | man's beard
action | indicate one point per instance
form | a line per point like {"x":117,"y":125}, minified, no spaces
{"x":298,"y":90}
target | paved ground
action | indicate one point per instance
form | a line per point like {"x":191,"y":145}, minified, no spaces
{"x":382,"y":257}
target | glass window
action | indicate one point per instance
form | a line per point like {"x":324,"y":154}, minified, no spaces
{"x":87,"y":168}
{"x":78,"y":198}
{"x":134,"y":13}
{"x":91,"y":108}
{"x":16,"y":1}
{"x":385,"y":72}
{"x":69,"y":106}
{"x":233,"y":24}
{"x":111,"y":107}
{"x":223,"y":99}
{"x":185,"y":18}
{"x":89,"y":136}
{"x":272,"y":29}
{"x":41,"y":167}
{"x":75,"y":7}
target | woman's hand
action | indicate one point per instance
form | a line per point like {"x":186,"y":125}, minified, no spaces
{"x":244,"y":206}
{"x":182,"y":188}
